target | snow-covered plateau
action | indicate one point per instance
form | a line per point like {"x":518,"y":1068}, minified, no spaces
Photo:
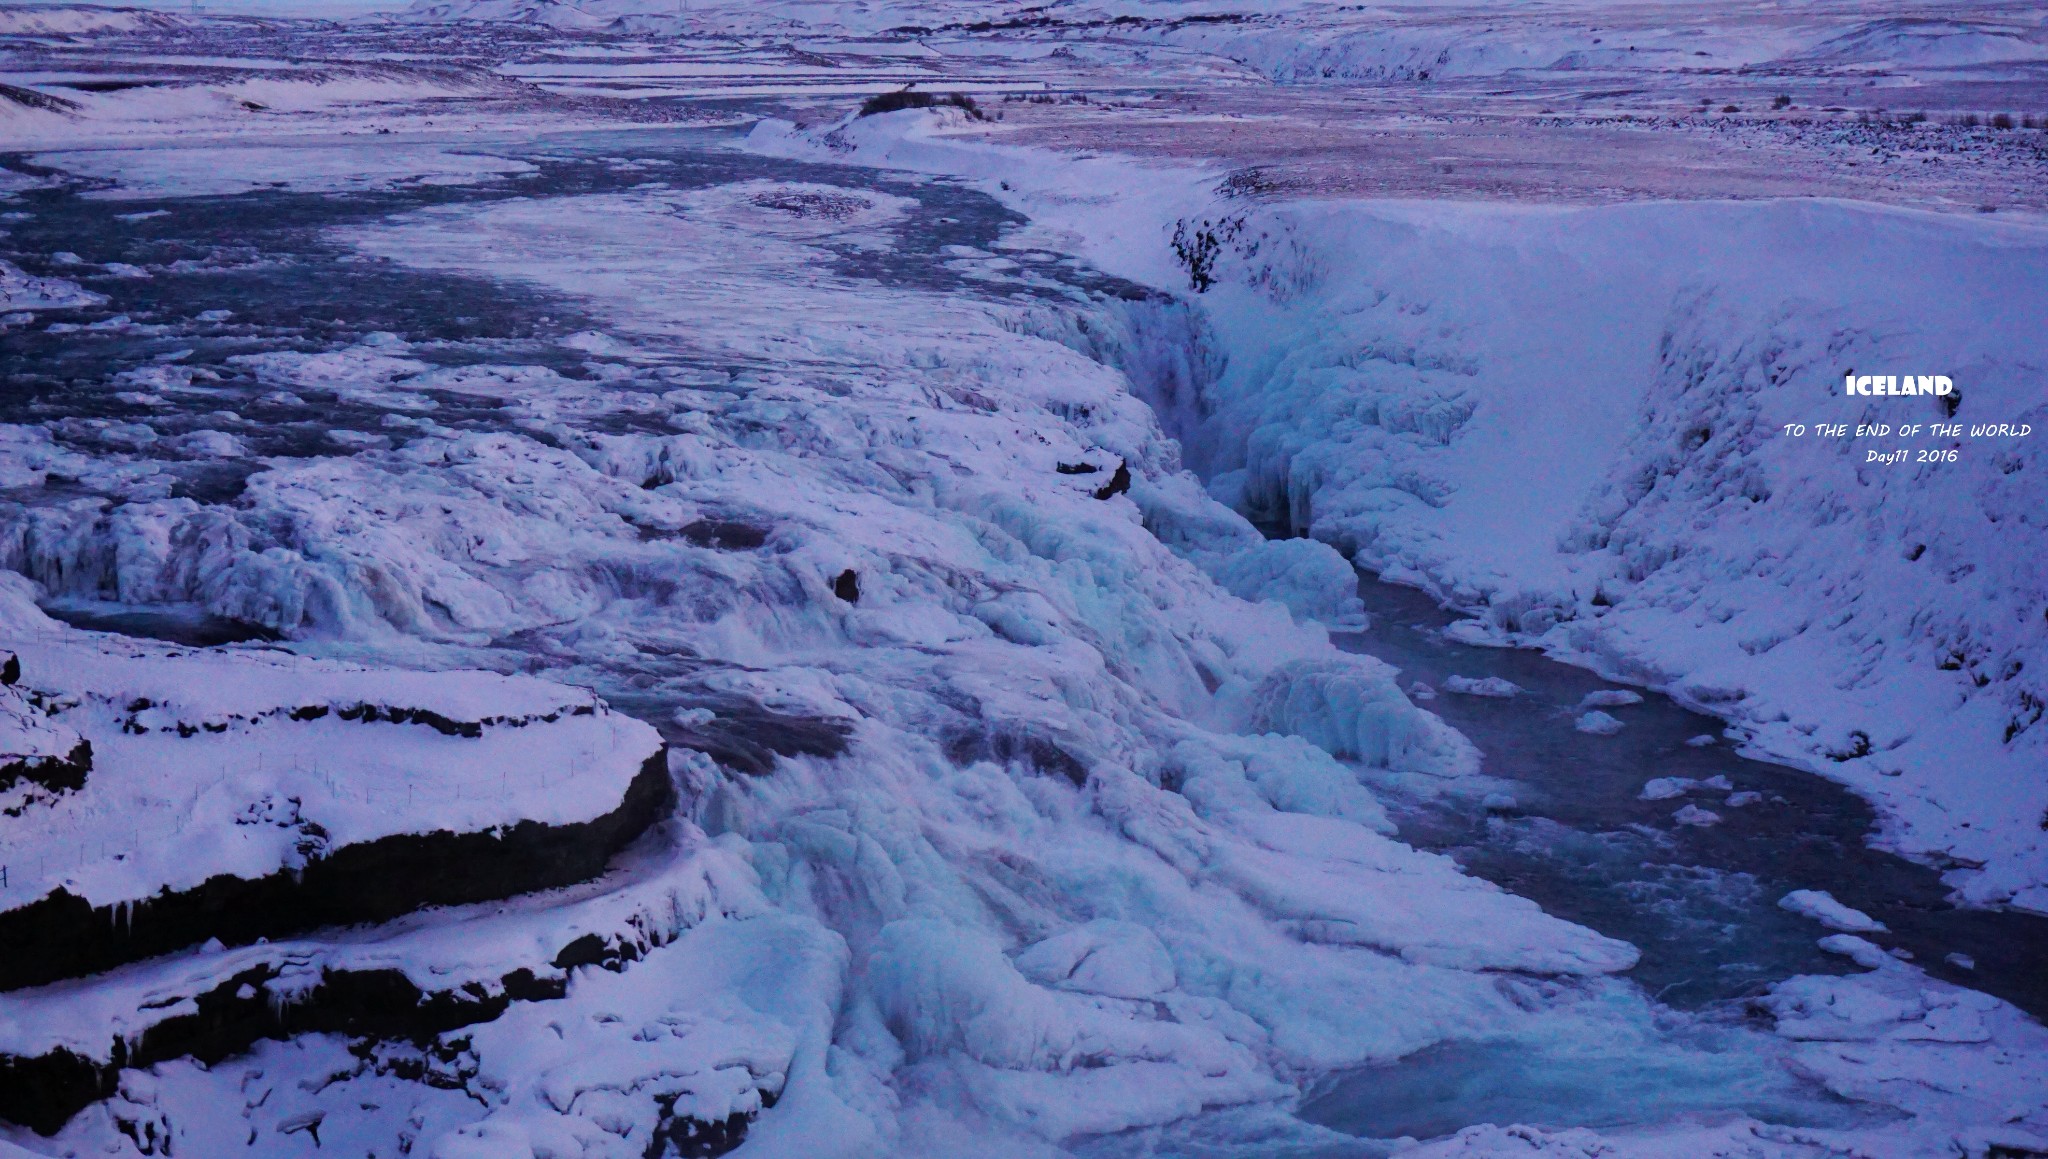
{"x":571,"y":591}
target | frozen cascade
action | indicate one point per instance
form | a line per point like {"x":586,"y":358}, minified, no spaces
{"x":1366,"y":411}
{"x":1028,"y":732}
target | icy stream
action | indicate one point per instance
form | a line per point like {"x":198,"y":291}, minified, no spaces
{"x":1560,"y":815}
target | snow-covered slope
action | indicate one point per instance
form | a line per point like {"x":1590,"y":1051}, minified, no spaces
{"x":1608,"y":471}
{"x":81,"y":20}
{"x":1335,"y":45}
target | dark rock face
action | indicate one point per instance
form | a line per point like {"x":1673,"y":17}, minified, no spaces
{"x":1004,"y":746}
{"x":746,"y":737}
{"x":31,"y":99}
{"x":1118,"y":483}
{"x":688,"y":1137}
{"x":63,"y":936}
{"x":724,"y":535}
{"x":42,"y":1093}
{"x":847,"y":586}
{"x":64,"y":774}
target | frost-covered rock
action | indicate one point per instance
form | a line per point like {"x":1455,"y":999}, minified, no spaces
{"x":40,"y":759}
{"x":418,"y":977}
{"x":681,"y":1053}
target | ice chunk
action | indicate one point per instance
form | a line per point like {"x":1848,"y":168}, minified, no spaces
{"x":1666,"y":788}
{"x":1701,"y":741}
{"x":1697,"y":817}
{"x":208,"y":445}
{"x":1610,"y":698}
{"x":1490,"y":686}
{"x":1858,"y":950}
{"x":947,"y":992}
{"x":1823,"y":908}
{"x":1475,"y":632}
{"x":1744,"y":799}
{"x":21,"y":291}
{"x":1598,"y":723}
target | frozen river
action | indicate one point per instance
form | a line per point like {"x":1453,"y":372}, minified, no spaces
{"x":1012,"y":812}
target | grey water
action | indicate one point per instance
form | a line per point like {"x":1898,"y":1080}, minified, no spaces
{"x":1442,"y":1089}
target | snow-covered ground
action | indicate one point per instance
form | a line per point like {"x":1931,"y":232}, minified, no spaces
{"x":1021,"y":802}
